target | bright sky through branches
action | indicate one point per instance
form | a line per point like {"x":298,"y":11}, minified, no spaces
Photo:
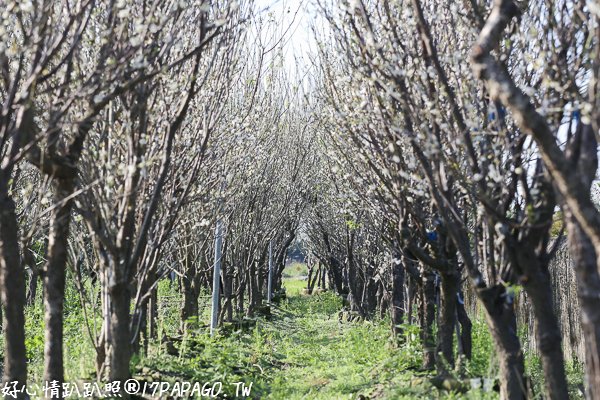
{"x":295,"y":18}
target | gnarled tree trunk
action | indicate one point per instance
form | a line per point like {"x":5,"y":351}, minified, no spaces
{"x":584,"y":259}
{"x":446,"y":322}
{"x":13,"y":294}
{"x":465,"y":325}
{"x":120,"y":336}
{"x":428,"y":316}
{"x":501,"y":319}
{"x":191,"y":287}
{"x":397,"y":303}
{"x":54,"y":282}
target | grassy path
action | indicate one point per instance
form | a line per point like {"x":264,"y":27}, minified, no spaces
{"x":317,"y":357}
{"x":305,"y":352}
{"x":322,"y":358}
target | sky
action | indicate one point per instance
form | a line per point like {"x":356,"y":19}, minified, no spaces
{"x":296,"y":17}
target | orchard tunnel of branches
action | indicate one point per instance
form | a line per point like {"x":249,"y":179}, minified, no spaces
{"x":434,"y":161}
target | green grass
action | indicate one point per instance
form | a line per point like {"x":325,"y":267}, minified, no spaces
{"x":321,"y":358}
{"x":291,"y":271}
{"x":303,"y":353}
{"x":294,"y":287}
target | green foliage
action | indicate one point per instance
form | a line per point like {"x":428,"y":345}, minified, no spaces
{"x":294,"y":287}
{"x":34,"y":341}
{"x":168,"y":310}
{"x":575,"y":371}
{"x":303,"y":353}
{"x":322,"y":357}
{"x":79,"y":353}
{"x":410,"y":348}
{"x":353,"y":224}
{"x":483,"y":347}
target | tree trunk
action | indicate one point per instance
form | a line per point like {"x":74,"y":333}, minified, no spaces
{"x":33,"y":276}
{"x":501,"y":320}
{"x":446,"y":320}
{"x":120,"y":336}
{"x":428,"y":312}
{"x":370,"y":292}
{"x":228,"y":292}
{"x":240,"y":305}
{"x":279,"y":262}
{"x":310,"y":282}
{"x":139,"y":320}
{"x":152,"y":311}
{"x":396,"y":311}
{"x":251,"y":289}
{"x":101,"y":352}
{"x":257,"y":293}
{"x":13,"y":294}
{"x":149,"y":312}
{"x":334,"y":266}
{"x":189,"y":305}
{"x":226,"y":312}
{"x":384,"y":301}
{"x":32,"y":289}
{"x":54,"y":283}
{"x":536,"y":282}
{"x":317,"y":281}
{"x":548,"y":337}
{"x":411,"y":296}
{"x":465,"y":325}
{"x":581,"y":153}
{"x":584,"y":259}
{"x":355,"y":292}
